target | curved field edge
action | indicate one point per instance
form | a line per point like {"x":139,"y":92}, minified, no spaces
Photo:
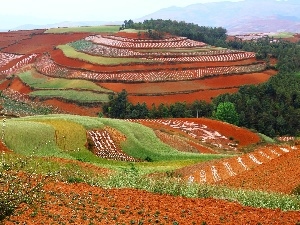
{"x":65,"y":136}
{"x":70,"y":52}
{"x":93,"y":29}
{"x":39,"y":81}
{"x":71,"y":95}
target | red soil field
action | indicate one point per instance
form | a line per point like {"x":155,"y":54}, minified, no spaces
{"x":43,"y":43}
{"x":206,"y":95}
{"x":244,"y":136}
{"x":18,"y":85}
{"x":58,"y":56}
{"x":73,"y":108}
{"x":83,"y":204}
{"x":217,"y":82}
{"x":279,"y":175}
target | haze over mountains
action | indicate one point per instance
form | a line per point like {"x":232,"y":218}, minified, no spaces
{"x":237,"y":17}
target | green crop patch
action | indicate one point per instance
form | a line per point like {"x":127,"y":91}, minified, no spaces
{"x":71,"y":95}
{"x":88,"y":29}
{"x":40,"y":81}
{"x":70,"y":52}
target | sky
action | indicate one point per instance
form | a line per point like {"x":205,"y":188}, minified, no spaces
{"x":14,"y":13}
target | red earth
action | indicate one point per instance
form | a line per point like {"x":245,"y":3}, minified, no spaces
{"x":206,"y":95}
{"x":41,"y":43}
{"x":58,"y":56}
{"x":216,"y":82}
{"x":269,"y":168}
{"x":72,"y":108}
{"x":279,"y":175}
{"x":83,"y":204}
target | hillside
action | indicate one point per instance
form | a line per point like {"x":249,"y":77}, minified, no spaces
{"x":60,"y":68}
{"x":74,"y":169}
{"x":238,"y":17}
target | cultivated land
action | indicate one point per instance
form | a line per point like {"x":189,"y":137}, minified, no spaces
{"x":81,"y":169}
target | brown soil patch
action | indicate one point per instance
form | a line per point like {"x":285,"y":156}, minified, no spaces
{"x":19,"y":86}
{"x":206,"y":95}
{"x":83,"y":204}
{"x":73,"y":108}
{"x":279,"y":175}
{"x":41,"y":43}
{"x":3,"y":148}
{"x":244,"y":136}
{"x":217,"y":82}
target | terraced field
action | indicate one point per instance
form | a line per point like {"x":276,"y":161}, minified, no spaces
{"x":151,"y":71}
{"x":95,"y":170}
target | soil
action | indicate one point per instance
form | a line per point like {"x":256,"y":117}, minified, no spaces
{"x":58,"y":56}
{"x":41,"y":43}
{"x":217,"y":82}
{"x":72,"y":108}
{"x":279,"y":175}
{"x":83,"y":204}
{"x":18,"y":85}
{"x":206,"y":95}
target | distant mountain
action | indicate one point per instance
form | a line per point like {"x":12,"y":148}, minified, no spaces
{"x":238,"y":17}
{"x":64,"y":24}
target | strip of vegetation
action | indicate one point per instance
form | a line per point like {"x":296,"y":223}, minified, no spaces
{"x":20,"y":108}
{"x":80,"y":97}
{"x":44,"y":82}
{"x":70,"y":52}
{"x":131,"y":177}
{"x":88,"y":29}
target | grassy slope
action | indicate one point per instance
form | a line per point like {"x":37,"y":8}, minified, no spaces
{"x":93,"y":29}
{"x":71,"y":95}
{"x":72,"y":53}
{"x":40,"y":81}
{"x":64,"y":136}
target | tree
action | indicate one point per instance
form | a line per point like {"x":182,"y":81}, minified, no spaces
{"x":226,"y":112}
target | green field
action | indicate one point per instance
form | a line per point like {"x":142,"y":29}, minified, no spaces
{"x":40,"y":81}
{"x":91,"y":29}
{"x":65,"y":136}
{"x":282,"y":35}
{"x":72,"y":53}
{"x":39,"y":140}
{"x":71,"y":95}
{"x":182,"y":50}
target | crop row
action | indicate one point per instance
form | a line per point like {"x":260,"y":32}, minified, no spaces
{"x":25,"y":60}
{"x":221,"y":170}
{"x":105,"y":146}
{"x":197,"y":131}
{"x":109,"y":51}
{"x":5,"y":58}
{"x":16,"y":103}
{"x":211,"y":58}
{"x":134,"y":40}
{"x":46,"y":66}
{"x":184,"y":43}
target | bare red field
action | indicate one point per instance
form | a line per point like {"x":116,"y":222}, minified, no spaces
{"x":18,"y":85}
{"x":268,"y":168}
{"x":83,"y":204}
{"x":279,"y":175}
{"x":73,"y":108}
{"x":216,"y":82}
{"x":41,"y":43}
{"x":206,"y":95}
